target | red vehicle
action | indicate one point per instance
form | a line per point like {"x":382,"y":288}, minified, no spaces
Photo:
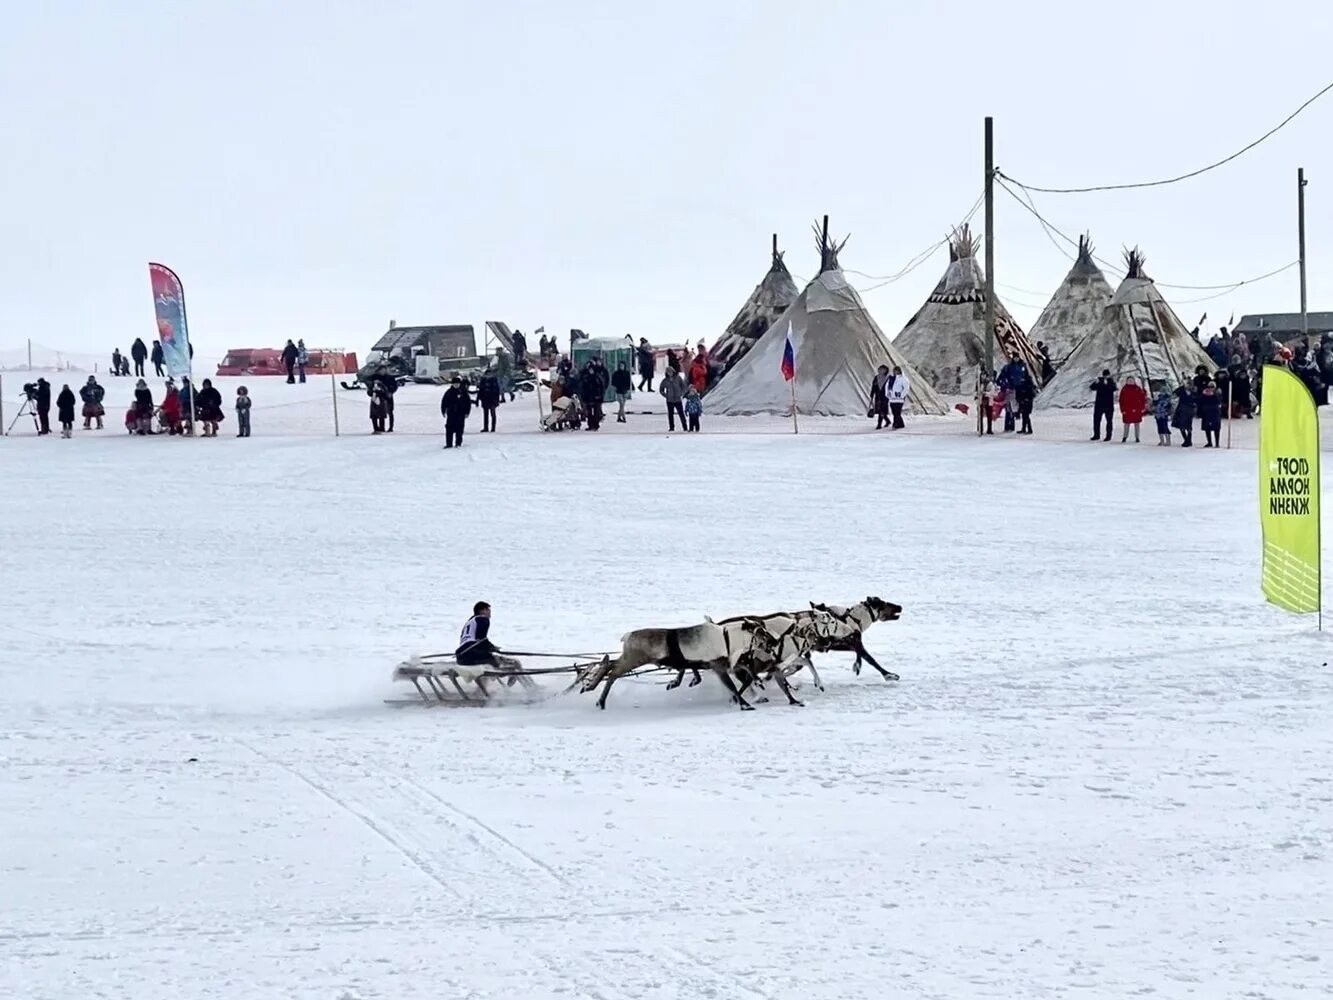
{"x":268,"y":361}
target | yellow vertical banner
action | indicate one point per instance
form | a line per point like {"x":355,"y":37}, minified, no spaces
{"x":1289,"y":492}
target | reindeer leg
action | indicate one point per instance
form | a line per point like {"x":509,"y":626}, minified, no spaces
{"x":750,"y":676}
{"x":696,"y":679}
{"x":861,"y":651}
{"x":675,"y":681}
{"x":814,"y":674}
{"x":594,"y":676}
{"x":601,"y":702}
{"x":777,"y":675}
{"x":719,"y":667}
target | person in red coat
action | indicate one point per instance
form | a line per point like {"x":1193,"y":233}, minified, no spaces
{"x":699,"y":374}
{"x":171,"y":409}
{"x":1133,"y":404}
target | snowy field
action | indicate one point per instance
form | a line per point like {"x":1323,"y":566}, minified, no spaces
{"x":1107,"y":770}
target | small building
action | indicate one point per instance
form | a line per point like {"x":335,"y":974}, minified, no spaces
{"x":458,"y":341}
{"x":1284,"y":327}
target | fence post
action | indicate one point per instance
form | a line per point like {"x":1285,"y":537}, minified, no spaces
{"x":333,"y":385}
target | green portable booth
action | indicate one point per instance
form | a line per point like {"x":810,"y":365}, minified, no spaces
{"x":613,"y":352}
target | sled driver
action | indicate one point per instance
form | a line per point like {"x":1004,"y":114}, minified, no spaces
{"x":474,"y":648}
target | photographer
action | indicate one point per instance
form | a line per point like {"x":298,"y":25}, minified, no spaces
{"x":40,"y":395}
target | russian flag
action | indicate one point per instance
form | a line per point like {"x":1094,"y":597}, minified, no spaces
{"x":789,"y":357}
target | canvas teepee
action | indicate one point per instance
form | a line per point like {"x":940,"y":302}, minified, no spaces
{"x":946,"y":339}
{"x":1139,"y":335}
{"x":838,"y":350}
{"x":1075,"y":309}
{"x":767,"y":302}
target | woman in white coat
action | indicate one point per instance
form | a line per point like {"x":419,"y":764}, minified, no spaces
{"x":899,"y":389}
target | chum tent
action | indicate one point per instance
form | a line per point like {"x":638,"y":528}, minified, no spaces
{"x":1075,"y":309}
{"x":838,"y":348}
{"x":766,"y":303}
{"x":1139,"y":334}
{"x":946,"y":340}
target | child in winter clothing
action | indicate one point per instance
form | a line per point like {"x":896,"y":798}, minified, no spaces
{"x":694,"y":408}
{"x":243,"y":412}
{"x":1161,"y":411}
{"x":65,"y":411}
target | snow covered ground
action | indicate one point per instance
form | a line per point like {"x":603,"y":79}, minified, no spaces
{"x":1105,"y":772}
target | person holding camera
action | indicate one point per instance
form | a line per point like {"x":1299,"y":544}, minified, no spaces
{"x":41,"y":401}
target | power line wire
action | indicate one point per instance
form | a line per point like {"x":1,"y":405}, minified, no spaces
{"x":917,"y":259}
{"x":1026,"y":202}
{"x":1182,"y":177}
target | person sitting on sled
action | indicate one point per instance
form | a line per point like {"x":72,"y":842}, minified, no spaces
{"x":474,"y":648}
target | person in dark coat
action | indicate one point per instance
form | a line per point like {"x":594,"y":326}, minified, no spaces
{"x":117,"y":362}
{"x":1013,"y":375}
{"x":1183,"y":420}
{"x":43,"y":404}
{"x":379,"y":404}
{"x":1047,"y":368}
{"x":454,"y":407}
{"x":673,"y":362}
{"x":209,"y":403}
{"x":388,"y":386}
{"x":520,"y":349}
{"x":65,"y":411}
{"x":672,"y":389}
{"x":92,"y":394}
{"x":879,"y":396}
{"x":1222,"y":379}
{"x":1103,"y":405}
{"x":1240,"y":389}
{"x":1201,"y":379}
{"x":622,"y":382}
{"x":591,"y":392}
{"x":143,"y":408}
{"x":289,"y":355}
{"x":647,"y":361}
{"x":159,"y":359}
{"x":488,"y":398}
{"x":139,"y":352}
{"x":189,"y":406}
{"x":1026,"y":394}
{"x":1210,"y":416}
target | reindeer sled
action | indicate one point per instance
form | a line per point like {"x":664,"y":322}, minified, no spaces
{"x":439,"y":679}
{"x":742,"y":652}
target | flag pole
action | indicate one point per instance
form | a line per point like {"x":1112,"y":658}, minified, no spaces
{"x":795,"y":427}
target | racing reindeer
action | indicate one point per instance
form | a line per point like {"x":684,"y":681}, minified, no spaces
{"x":697,"y":647}
{"x":858,"y":617}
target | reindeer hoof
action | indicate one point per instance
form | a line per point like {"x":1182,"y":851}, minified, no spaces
{"x":672,"y":685}
{"x":746,"y":707}
{"x":890,"y":676}
{"x":796,"y":703}
{"x":856,"y":668}
{"x":696,"y":681}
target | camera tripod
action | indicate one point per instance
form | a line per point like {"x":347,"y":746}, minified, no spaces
{"x":29,"y":409}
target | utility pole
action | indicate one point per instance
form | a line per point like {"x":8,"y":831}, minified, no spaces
{"x":1300,"y":234}
{"x":823,"y":248}
{"x":990,"y":246}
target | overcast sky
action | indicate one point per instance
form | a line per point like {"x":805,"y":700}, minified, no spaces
{"x":317,"y":168}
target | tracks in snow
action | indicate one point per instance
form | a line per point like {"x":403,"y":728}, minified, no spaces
{"x":465,"y":857}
